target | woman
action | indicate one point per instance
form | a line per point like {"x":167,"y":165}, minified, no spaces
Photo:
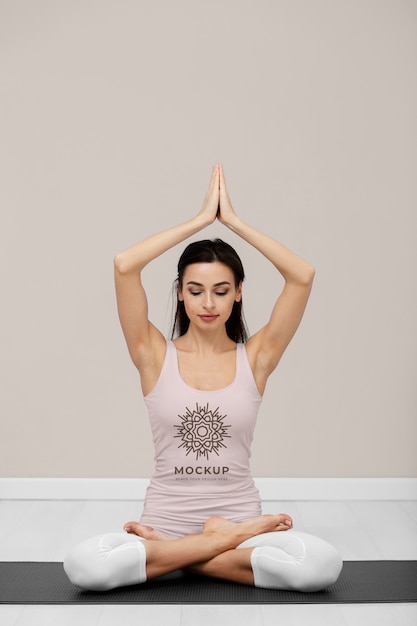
{"x":202,"y":511}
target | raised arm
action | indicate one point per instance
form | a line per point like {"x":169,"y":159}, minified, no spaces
{"x":145,"y":342}
{"x":266,"y":347}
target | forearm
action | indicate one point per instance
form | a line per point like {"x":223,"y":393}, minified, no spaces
{"x":135,"y":258}
{"x":291,"y":266}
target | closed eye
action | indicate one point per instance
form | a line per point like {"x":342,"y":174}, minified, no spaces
{"x":217,"y":293}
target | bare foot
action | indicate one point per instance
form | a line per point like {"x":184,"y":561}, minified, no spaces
{"x":250,"y":528}
{"x":146,"y":532}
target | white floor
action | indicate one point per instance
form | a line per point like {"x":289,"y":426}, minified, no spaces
{"x":44,"y":530}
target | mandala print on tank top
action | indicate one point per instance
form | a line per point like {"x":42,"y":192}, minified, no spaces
{"x":202,"y":431}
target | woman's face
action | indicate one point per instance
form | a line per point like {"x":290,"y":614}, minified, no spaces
{"x":209,"y":292}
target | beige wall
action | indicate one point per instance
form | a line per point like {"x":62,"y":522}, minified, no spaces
{"x":113,"y":112}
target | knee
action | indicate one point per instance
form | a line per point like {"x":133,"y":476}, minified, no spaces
{"x":308,"y":564}
{"x":107,"y":561}
{"x":82,"y":566}
{"x":322,"y":570}
{"x":321,"y":565}
{"x":75,"y":567}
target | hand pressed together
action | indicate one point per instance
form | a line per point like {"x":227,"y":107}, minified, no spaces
{"x":217,"y":204}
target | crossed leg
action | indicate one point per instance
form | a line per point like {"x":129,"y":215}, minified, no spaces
{"x":251,"y":553}
{"x":292,"y":561}
{"x":277,"y":560}
{"x":116,"y":559}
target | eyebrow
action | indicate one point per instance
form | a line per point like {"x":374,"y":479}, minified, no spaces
{"x":193,"y":282}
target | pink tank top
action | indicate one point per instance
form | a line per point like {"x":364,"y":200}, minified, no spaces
{"x":202,"y":445}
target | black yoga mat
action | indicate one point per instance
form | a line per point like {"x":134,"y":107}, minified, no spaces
{"x":360,"y":581}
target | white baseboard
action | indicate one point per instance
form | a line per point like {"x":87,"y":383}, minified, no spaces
{"x":285,"y":489}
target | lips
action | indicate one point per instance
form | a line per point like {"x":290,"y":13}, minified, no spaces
{"x":208,"y":318}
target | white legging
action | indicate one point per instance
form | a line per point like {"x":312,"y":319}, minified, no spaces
{"x":280,"y":560}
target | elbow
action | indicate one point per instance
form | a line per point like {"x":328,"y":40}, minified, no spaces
{"x":120,"y":265}
{"x":125,"y":265}
{"x":307,"y":276}
{"x":303,"y":276}
{"x":312,"y":273}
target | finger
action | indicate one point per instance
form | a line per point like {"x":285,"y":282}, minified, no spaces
{"x":214,"y":191}
{"x":214,"y":180}
{"x":221,"y":176}
{"x":216,"y":177}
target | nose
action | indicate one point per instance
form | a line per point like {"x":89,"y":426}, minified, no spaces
{"x":208,"y":301}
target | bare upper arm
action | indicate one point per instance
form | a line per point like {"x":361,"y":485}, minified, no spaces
{"x":145,"y":342}
{"x":266,"y":347}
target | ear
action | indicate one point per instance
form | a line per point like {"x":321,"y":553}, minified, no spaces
{"x":239,"y":292}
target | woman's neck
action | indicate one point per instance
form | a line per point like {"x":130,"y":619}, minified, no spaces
{"x":205,"y":342}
